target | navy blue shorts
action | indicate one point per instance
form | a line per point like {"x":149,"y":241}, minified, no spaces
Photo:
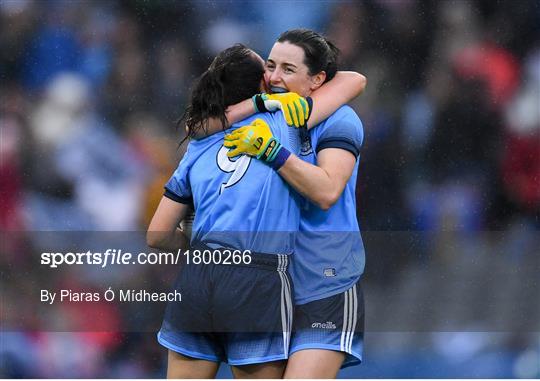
{"x":239,"y":314}
{"x":334,"y":323}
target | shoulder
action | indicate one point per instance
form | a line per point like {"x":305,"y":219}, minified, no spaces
{"x":197,"y":148}
{"x":343,"y":121}
{"x":343,"y":129}
{"x":344,"y":113}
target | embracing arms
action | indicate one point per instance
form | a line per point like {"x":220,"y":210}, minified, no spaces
{"x":343,"y":88}
{"x":322,"y":183}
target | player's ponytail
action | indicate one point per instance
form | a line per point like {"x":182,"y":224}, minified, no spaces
{"x":206,"y":102}
{"x":234,"y":75}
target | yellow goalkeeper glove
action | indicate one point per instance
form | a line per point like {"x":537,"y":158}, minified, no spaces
{"x":295,"y":108}
{"x":257,"y":140}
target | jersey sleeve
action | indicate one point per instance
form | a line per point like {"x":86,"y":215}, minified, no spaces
{"x":178,"y":187}
{"x":344,"y":130}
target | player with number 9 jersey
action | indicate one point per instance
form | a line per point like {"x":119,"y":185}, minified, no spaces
{"x":239,"y":313}
{"x":241,"y":203}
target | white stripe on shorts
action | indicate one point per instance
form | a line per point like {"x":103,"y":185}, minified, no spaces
{"x":350,"y":307}
{"x":286,"y":302}
{"x":345,"y":321}
{"x":355,"y":317}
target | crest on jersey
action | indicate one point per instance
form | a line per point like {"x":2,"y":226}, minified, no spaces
{"x":330,"y":272}
{"x":305,"y":142}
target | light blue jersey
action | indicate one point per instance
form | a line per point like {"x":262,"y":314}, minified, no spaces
{"x":329,"y":254}
{"x":241,"y":203}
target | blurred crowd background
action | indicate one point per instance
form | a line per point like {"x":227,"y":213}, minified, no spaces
{"x":89,"y":95}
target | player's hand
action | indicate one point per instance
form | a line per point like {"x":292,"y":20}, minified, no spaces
{"x":186,"y":225}
{"x":295,"y":108}
{"x":255,"y":140}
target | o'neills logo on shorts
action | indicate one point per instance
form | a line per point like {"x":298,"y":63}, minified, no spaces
{"x":327,"y":325}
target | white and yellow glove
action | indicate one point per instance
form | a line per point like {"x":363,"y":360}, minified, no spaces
{"x":295,"y":108}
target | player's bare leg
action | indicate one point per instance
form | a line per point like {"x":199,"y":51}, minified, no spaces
{"x":272,"y":369}
{"x":187,"y":367}
{"x":314,"y":363}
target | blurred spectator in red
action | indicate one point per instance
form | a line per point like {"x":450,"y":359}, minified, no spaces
{"x":11,"y":190}
{"x":520,"y":167}
{"x":492,"y":64}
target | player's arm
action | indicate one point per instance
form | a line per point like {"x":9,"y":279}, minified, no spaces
{"x":323,"y":183}
{"x":343,"y":88}
{"x":163,"y":232}
{"x":233,"y":114}
{"x":295,"y":108}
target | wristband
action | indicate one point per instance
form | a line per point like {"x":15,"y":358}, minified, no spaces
{"x":280,"y":158}
{"x":271,"y":151}
{"x":258,"y":103}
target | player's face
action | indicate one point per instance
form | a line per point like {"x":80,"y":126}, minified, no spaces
{"x":285,"y":70}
